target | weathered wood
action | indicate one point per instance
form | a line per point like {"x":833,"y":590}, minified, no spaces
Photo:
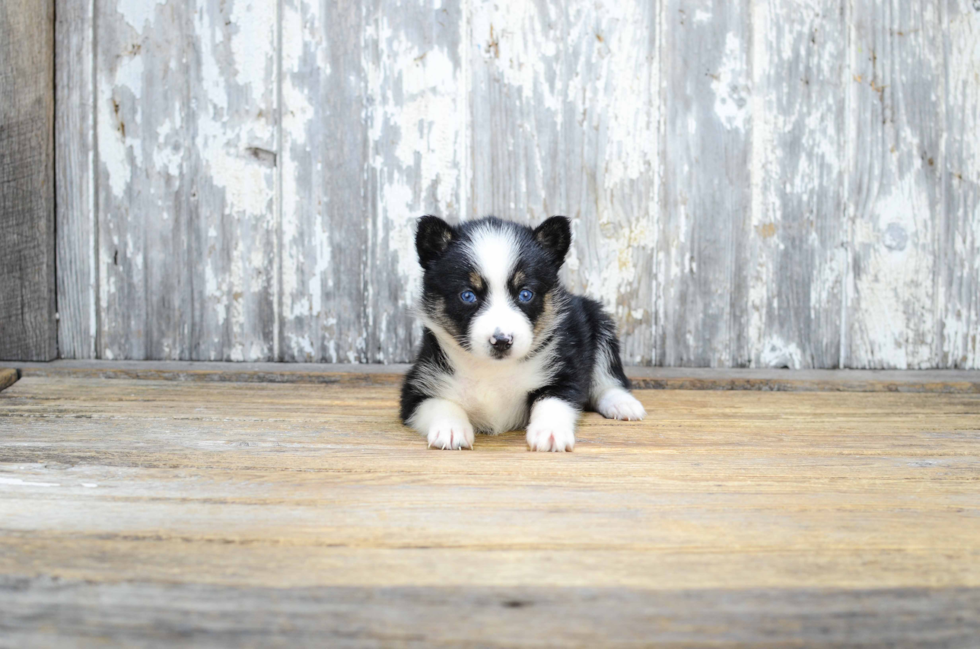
{"x":565,"y":118}
{"x":141,"y":193}
{"x":417,"y":126}
{"x":750,"y":183}
{"x":78,"y":280}
{"x":959,"y":280}
{"x":324,"y":198}
{"x":372,"y":139}
{"x":658,"y":378}
{"x":135,"y":509}
{"x":796,"y":270}
{"x":611,"y":162}
{"x":515,"y":114}
{"x":7,"y":377}
{"x":895,"y":185}
{"x":144,"y":614}
{"x":707,"y":224}
{"x":224,"y":372}
{"x":186,"y":111}
{"x":28,"y":329}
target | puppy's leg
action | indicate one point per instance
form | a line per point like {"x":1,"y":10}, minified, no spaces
{"x":609,"y":394}
{"x":443,"y":423}
{"x":552,"y":425}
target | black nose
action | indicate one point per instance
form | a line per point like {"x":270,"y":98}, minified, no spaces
{"x":501,"y":341}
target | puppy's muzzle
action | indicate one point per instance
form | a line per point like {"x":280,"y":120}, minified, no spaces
{"x":501,"y":342}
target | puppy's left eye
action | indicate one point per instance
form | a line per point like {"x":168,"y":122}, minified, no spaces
{"x":525,"y":296}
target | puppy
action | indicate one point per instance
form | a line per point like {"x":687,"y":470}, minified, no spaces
{"x":504,"y":344}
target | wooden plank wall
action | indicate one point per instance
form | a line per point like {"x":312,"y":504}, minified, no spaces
{"x":27,"y":262}
{"x":752,"y":183}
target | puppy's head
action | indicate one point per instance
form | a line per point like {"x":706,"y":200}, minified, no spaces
{"x":491,"y":284}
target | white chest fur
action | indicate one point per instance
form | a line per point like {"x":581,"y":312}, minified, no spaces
{"x":494,"y":393}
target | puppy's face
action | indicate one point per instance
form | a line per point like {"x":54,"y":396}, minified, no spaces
{"x":490,"y":284}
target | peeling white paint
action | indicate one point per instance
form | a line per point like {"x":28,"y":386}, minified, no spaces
{"x":415,"y":140}
{"x":777,"y":353}
{"x":894,"y":286}
{"x":119,"y":148}
{"x":958,"y":301}
{"x":529,"y":110}
{"x":795,"y":168}
{"x":731,"y":86}
{"x":138,"y":12}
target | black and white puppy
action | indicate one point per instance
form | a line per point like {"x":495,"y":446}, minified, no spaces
{"x":504,"y":344}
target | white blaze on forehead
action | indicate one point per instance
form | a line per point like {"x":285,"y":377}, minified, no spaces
{"x":494,"y":253}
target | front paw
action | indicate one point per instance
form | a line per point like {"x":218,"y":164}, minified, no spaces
{"x":542,"y":437}
{"x":552,"y":426}
{"x":620,"y":404}
{"x":451,"y":435}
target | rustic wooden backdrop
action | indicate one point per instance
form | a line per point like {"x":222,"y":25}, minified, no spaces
{"x":28,"y":328}
{"x":752,"y":183}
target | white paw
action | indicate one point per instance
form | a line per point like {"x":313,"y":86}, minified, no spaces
{"x":443,"y":423}
{"x":451,"y":434}
{"x":617,"y":403}
{"x":550,"y":438}
{"x":552,"y":426}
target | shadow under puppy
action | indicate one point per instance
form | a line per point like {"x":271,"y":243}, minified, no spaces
{"x":504,"y":344}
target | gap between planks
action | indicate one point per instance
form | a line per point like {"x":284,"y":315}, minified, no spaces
{"x":652,"y":378}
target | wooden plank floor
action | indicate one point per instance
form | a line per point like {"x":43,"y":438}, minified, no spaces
{"x":150,"y":512}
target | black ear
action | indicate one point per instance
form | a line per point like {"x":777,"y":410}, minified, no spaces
{"x":555,"y":236}
{"x":432,"y":238}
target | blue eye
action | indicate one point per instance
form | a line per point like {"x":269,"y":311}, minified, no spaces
{"x":468,"y":296}
{"x":525,"y":295}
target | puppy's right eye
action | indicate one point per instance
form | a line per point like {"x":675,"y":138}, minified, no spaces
{"x":468,"y":296}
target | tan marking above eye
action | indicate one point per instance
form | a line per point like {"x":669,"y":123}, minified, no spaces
{"x":518,"y":280}
{"x":547,"y":317}
{"x":476,"y":281}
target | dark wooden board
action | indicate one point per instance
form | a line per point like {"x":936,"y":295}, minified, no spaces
{"x":28,"y":330}
{"x":144,"y":614}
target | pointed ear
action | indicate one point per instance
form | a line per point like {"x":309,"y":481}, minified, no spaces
{"x":432,"y":238}
{"x":555,"y":236}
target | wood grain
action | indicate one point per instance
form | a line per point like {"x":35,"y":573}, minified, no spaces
{"x":7,"y":377}
{"x":796,"y":276}
{"x":417,"y":122}
{"x":28,"y":329}
{"x":186,"y":120}
{"x":78,"y":280}
{"x":895,"y":188}
{"x":752,"y":184}
{"x":372,"y":139}
{"x":781,"y":510}
{"x":134,"y":181}
{"x":958,"y":322}
{"x":159,"y":613}
{"x":324,"y":195}
{"x":565,"y":119}
{"x":613,"y":154}
{"x":709,"y":129}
